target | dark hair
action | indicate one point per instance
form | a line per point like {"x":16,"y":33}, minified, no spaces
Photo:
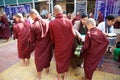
{"x":118,"y":45}
{"x":84,"y":15}
{"x":110,"y":17}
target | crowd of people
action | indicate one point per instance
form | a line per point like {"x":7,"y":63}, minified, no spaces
{"x":59,"y":37}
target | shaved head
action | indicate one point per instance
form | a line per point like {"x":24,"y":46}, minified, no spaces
{"x":91,"y":21}
{"x":34,"y":11}
{"x":34,"y":14}
{"x":57,"y":9}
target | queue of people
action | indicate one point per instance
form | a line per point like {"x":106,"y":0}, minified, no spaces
{"x":59,"y":37}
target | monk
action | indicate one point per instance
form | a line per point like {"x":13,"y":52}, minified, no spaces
{"x":77,"y":18}
{"x":117,"y":23}
{"x":62,"y":37}
{"x":93,"y":49}
{"x":40,"y":37}
{"x":100,"y":17}
{"x":22,"y":34}
{"x":4,"y":27}
{"x":117,"y":26}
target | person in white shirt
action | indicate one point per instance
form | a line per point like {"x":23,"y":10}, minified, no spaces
{"x":107,"y":28}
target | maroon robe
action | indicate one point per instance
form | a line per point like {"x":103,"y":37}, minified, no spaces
{"x":62,"y":37}
{"x":4,"y":28}
{"x":117,"y":25}
{"x":100,"y":18}
{"x":93,"y":49}
{"x":69,"y":17}
{"x":22,"y":34}
{"x":39,"y":35}
{"x":77,"y":18}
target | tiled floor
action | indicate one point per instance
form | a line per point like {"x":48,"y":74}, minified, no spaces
{"x":11,"y":70}
{"x":8,"y":55}
{"x":17,"y":72}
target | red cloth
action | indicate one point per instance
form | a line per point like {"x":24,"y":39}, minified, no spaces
{"x":78,"y":17}
{"x":62,"y":37}
{"x":22,"y":34}
{"x":69,"y":17}
{"x":4,"y":28}
{"x":39,"y":35}
{"x":117,"y":25}
{"x":92,"y":16}
{"x":100,"y":18}
{"x":93,"y":49}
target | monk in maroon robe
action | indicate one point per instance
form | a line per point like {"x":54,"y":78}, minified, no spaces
{"x":39,"y":35}
{"x":4,"y":28}
{"x":93,"y":49}
{"x":100,"y":17}
{"x":117,"y":23}
{"x":62,"y":37}
{"x":22,"y":34}
{"x":69,"y":16}
{"x":77,"y":18}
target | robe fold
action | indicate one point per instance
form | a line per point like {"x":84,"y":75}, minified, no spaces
{"x":93,"y":49}
{"x":4,"y":28}
{"x":62,"y":37}
{"x":39,"y":35}
{"x":22,"y":34}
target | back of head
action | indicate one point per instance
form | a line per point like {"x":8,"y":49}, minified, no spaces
{"x":58,"y":8}
{"x":20,"y":16}
{"x":110,"y":17}
{"x":84,"y":15}
{"x":118,"y":45}
{"x":34,"y":11}
{"x":91,"y":21}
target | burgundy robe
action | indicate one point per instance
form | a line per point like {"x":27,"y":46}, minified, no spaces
{"x":4,"y":28}
{"x":100,"y":18}
{"x":22,"y":34}
{"x":117,"y":25}
{"x":62,"y":37}
{"x":69,"y":17}
{"x":39,"y":35}
{"x":77,"y":18}
{"x":93,"y":49}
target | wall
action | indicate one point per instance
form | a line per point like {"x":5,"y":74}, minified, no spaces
{"x":91,"y":4}
{"x":63,"y":4}
{"x":44,"y":4}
